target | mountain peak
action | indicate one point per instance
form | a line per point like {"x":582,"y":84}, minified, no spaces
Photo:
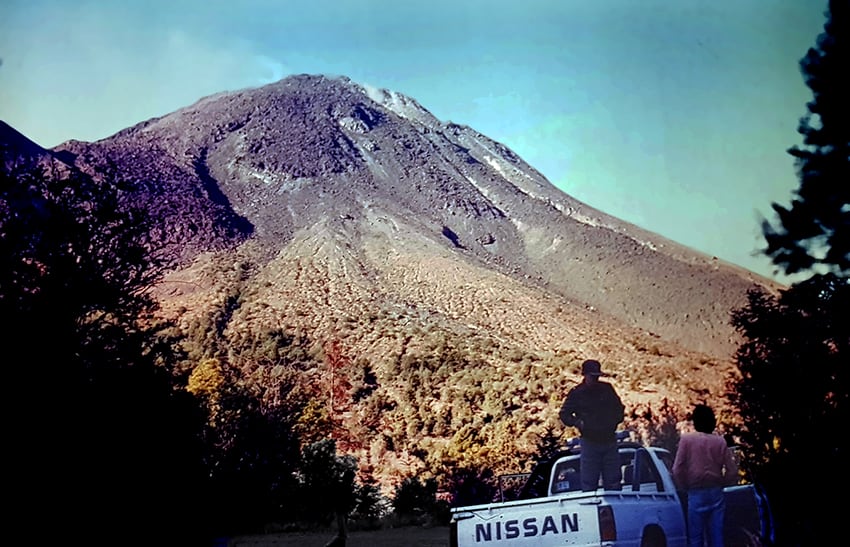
{"x":358,"y":175}
{"x":15,"y":146}
{"x":18,"y":151}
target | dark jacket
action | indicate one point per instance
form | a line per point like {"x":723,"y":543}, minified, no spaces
{"x":598,"y":406}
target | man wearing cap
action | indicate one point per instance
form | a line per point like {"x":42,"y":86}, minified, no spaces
{"x":595,"y":409}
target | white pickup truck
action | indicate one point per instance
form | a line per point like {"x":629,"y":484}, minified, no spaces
{"x":551,"y":509}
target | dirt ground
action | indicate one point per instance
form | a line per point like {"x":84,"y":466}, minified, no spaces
{"x":396,"y":537}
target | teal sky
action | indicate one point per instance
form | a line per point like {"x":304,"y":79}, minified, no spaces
{"x":671,"y":114}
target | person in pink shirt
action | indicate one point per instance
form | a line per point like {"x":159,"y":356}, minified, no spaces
{"x":703,"y":465}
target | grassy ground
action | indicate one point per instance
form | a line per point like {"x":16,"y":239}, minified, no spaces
{"x":437,"y":536}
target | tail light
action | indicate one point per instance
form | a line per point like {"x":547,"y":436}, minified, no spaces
{"x":607,"y":527}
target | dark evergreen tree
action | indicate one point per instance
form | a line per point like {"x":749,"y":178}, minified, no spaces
{"x":550,"y":441}
{"x":792,"y":392}
{"x":814,"y":231}
{"x":252,"y":455}
{"x":329,"y":486}
{"x":469,"y":486}
{"x":793,"y":397}
{"x":101,"y":443}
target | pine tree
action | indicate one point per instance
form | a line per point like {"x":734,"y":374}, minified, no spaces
{"x":792,"y":392}
{"x":98,"y":412}
{"x":813,"y":233}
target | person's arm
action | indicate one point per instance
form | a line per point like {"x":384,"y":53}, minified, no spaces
{"x":614,"y":411}
{"x":569,"y":413}
{"x":621,"y":408}
{"x":680,"y":465}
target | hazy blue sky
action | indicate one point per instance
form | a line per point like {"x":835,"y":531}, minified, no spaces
{"x":671,"y":114}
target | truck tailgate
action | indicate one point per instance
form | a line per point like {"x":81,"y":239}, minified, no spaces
{"x":539,"y":523}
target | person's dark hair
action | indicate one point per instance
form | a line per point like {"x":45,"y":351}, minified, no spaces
{"x":703,"y":418}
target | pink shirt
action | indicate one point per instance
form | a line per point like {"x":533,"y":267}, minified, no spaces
{"x":703,"y":461}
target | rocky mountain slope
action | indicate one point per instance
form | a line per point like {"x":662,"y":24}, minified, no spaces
{"x":351,"y":215}
{"x":314,"y":155}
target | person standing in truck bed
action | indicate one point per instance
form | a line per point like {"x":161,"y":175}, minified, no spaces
{"x":595,"y":409}
{"x":703,"y":465}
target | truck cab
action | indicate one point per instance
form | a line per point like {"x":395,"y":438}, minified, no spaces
{"x":639,"y":471}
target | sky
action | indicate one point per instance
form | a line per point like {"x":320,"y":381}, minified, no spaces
{"x":675,"y":115}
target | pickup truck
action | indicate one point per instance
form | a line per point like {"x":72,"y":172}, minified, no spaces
{"x":551,"y":509}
